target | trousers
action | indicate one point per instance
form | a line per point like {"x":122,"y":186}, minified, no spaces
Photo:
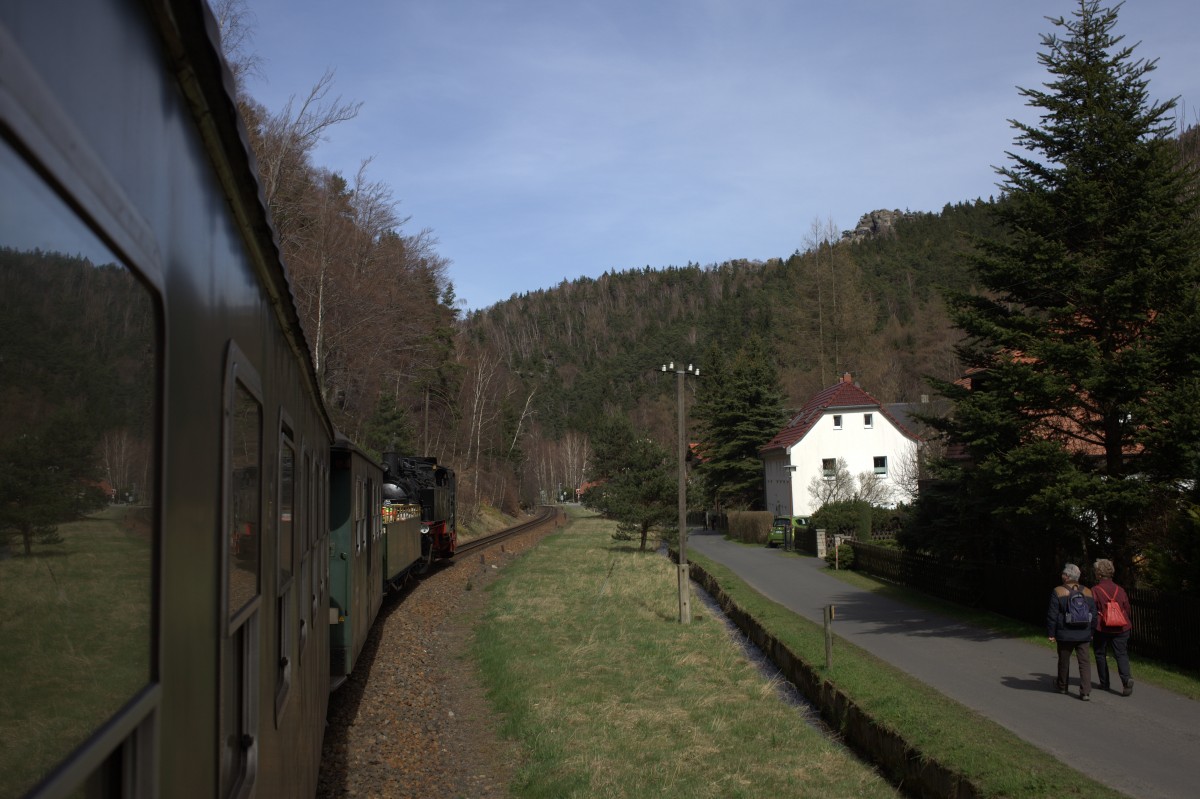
{"x":1119,"y":642}
{"x":1080,"y":648}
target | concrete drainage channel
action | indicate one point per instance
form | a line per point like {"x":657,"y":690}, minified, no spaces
{"x":784,"y":687}
{"x":914,"y":773}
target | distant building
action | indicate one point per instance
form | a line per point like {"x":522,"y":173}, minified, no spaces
{"x":845,"y":423}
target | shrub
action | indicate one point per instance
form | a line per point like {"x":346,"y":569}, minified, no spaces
{"x":749,"y":526}
{"x":844,"y":555}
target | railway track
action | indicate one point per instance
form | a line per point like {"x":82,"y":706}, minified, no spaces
{"x":414,"y":720}
{"x":546,"y":515}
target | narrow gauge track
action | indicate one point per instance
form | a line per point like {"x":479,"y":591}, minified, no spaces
{"x":413,"y":721}
{"x":546,"y":515}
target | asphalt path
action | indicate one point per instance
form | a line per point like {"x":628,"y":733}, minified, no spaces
{"x":1144,"y":745}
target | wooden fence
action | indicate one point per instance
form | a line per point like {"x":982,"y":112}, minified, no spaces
{"x":1163,"y":624}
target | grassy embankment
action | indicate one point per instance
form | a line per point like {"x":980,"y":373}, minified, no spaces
{"x":487,"y":521}
{"x":610,"y":696}
{"x":75,"y":625}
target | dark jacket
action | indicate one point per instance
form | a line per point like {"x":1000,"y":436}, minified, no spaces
{"x":1107,"y":591}
{"x":1056,"y":616}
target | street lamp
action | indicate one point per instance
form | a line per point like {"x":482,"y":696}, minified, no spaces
{"x":685,"y":604}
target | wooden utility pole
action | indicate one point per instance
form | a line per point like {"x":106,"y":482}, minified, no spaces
{"x":685,"y":599}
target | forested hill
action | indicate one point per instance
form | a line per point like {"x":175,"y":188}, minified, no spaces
{"x":872,"y":307}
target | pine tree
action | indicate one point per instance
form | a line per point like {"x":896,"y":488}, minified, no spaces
{"x":1075,"y":344}
{"x":636,"y":485}
{"x":739,"y":408}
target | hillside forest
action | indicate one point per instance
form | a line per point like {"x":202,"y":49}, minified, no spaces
{"x":515,"y":396}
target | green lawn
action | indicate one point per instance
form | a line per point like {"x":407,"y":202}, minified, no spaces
{"x":609,"y":696}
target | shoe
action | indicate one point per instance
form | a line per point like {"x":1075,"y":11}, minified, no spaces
{"x":1103,"y":686}
{"x":1128,"y":689}
{"x":1086,"y":697}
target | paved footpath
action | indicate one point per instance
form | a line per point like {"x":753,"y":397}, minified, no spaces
{"x":1145,"y":745}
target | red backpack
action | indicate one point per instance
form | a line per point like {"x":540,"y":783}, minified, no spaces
{"x":1111,"y":615}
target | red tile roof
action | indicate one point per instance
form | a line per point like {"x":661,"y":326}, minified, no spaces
{"x":843,"y":394}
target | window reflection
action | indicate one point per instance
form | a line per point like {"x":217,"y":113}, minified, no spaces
{"x":287,"y":501}
{"x":244,"y":544}
{"x":239,"y":654}
{"x":78,"y":360}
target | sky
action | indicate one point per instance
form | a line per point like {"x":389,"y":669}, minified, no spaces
{"x":546,"y":140}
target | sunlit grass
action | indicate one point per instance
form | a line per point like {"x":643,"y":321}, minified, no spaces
{"x":610,"y":696}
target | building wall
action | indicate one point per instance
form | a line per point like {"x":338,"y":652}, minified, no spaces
{"x":854,"y":442}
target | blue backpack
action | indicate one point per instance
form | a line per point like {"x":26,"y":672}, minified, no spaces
{"x":1078,"y":613}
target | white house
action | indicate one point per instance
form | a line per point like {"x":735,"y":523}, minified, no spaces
{"x":845,"y":423}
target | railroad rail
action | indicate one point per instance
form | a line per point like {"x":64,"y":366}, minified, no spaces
{"x":546,"y":515}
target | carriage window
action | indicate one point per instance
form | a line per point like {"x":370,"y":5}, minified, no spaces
{"x":243,"y":582}
{"x":245,"y":501}
{"x":78,"y":391}
{"x":285,"y":568}
{"x":287,"y":503}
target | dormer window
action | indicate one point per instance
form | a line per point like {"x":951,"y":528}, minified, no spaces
{"x":837,"y":421}
{"x":868,"y":420}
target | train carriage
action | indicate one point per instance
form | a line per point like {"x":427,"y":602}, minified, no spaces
{"x":356,"y":571}
{"x":148,"y":318}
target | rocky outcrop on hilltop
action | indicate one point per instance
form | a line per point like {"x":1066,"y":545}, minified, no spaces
{"x":876,"y":223}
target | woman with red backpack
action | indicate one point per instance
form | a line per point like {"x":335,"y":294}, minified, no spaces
{"x":1112,"y":626}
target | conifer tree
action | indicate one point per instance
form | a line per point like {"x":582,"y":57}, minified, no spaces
{"x":739,"y":408}
{"x":635,"y":482}
{"x":1081,"y":414}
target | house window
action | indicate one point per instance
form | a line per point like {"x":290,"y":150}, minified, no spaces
{"x":828,"y":468}
{"x":881,"y":465}
{"x":837,"y":421}
{"x":868,"y":420}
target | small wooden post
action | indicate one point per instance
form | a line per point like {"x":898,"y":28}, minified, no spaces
{"x":828,"y":637}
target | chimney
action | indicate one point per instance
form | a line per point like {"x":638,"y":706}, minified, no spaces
{"x":846,"y":378}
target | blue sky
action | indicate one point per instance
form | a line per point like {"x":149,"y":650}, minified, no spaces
{"x":543,"y":140}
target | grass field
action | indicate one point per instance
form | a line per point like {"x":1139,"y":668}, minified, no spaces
{"x":75,"y":625}
{"x":610,"y":696}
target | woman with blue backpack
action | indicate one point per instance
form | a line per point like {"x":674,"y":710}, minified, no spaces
{"x":1112,"y":627}
{"x":1070,"y":619}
